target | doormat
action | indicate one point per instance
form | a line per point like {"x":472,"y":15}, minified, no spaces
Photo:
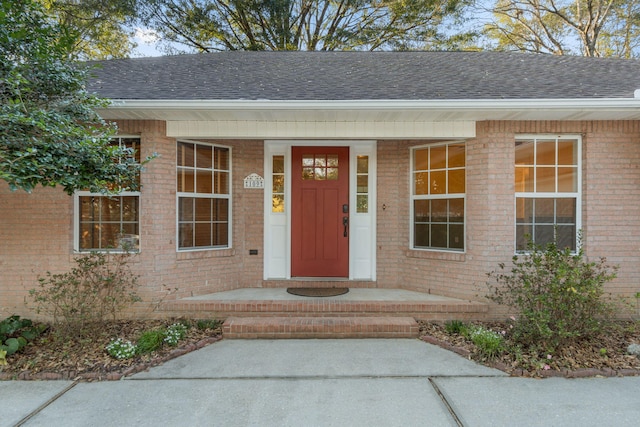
{"x":317,"y":292}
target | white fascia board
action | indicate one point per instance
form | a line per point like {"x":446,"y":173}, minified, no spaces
{"x":364,"y":105}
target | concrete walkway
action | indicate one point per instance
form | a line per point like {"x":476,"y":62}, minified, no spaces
{"x":323,"y":383}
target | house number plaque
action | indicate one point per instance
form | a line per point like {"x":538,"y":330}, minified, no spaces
{"x":254,"y":181}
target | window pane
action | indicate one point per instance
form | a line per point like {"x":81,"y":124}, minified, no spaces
{"x":204,"y":156}
{"x":438,"y":182}
{"x":278,"y":184}
{"x":566,"y":237}
{"x":421,"y":236}
{"x":456,"y":236}
{"x":185,"y":209}
{"x":439,"y":210}
{"x":524,"y":210}
{"x":456,"y":181}
{"x":220,"y":210}
{"x":307,"y":160}
{"x":545,"y":179}
{"x":363,"y":184}
{"x":543,"y":234}
{"x":202,"y":234}
{"x":523,"y":236}
{"x":130,"y":208}
{"x":567,"y":152}
{"x":185,"y":235}
{"x":332,"y":173}
{"x":363,"y":164}
{"x":456,"y":155}
{"x":186,"y":181}
{"x":439,"y":236}
{"x":421,"y":183}
{"x":524,"y":152}
{"x":546,"y":153}
{"x":362,"y":202}
{"x":220,"y":235}
{"x":221,"y":157}
{"x":524,"y":179}
{"x":421,"y":211}
{"x":421,"y":159}
{"x":277,"y":203}
{"x":544,"y":211}
{"x":204,"y":181}
{"x":202,"y":209}
{"x":221,"y":180}
{"x":185,"y":154}
{"x":89,"y":208}
{"x":438,"y":158}
{"x":332,"y":160}
{"x":320,"y":174}
{"x":307,"y":173}
{"x":278,"y":164}
{"x":456,"y":210}
{"x":567,"y":180}
{"x":566,"y":211}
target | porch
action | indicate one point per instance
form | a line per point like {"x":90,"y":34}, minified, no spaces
{"x":361,"y":313}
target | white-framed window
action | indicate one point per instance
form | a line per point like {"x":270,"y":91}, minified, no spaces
{"x":438,"y":185}
{"x":548,"y":190}
{"x":104,"y":222}
{"x":203,"y":195}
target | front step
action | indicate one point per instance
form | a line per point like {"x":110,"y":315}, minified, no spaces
{"x":319,"y":327}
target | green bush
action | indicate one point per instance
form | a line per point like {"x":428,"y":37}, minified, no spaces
{"x":455,"y":327}
{"x":205,"y":324}
{"x":15,"y":333}
{"x":150,"y":341}
{"x":81,"y":300}
{"x":489,"y":343}
{"x":557,"y":294}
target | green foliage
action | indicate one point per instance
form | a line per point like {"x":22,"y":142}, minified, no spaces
{"x":175,"y":333}
{"x":15,"y":333}
{"x":455,"y":327}
{"x":213,"y":25}
{"x":50,"y":133}
{"x":204,"y":324}
{"x":101,"y":25}
{"x":98,"y":288}
{"x":489,"y":343}
{"x":121,"y":349}
{"x":150,"y":341}
{"x":558,"y":295}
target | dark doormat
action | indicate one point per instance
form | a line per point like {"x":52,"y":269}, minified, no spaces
{"x":317,"y":292}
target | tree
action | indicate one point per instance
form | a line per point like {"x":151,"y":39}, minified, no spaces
{"x":584,"y":27}
{"x":50,"y":133}
{"x":103,"y":26}
{"x":214,"y":25}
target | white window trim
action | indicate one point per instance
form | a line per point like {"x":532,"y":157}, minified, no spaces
{"x":413,"y":197}
{"x":76,"y":212}
{"x":209,"y":196}
{"x":547,"y":195}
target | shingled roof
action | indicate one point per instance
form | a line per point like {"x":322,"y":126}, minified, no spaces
{"x":345,"y":76}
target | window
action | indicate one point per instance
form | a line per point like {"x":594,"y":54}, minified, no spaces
{"x":438,"y":196}
{"x":109,"y":222}
{"x":204,"y":192}
{"x":278,"y":184}
{"x":547,"y":185}
{"x":362,"y":187}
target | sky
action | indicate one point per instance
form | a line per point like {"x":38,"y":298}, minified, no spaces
{"x":147,"y":41}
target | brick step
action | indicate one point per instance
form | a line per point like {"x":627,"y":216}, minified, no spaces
{"x":319,"y":327}
{"x":311,"y":283}
{"x":424,"y":310}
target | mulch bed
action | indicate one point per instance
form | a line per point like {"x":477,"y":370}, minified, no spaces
{"x":604,"y":355}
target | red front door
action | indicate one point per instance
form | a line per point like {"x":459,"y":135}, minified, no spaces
{"x":320,"y":212}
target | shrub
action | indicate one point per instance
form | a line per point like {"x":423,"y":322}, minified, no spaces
{"x":121,"y":349}
{"x":15,"y":333}
{"x":151,"y":341}
{"x":175,"y":333}
{"x":489,"y":343}
{"x":81,"y":300}
{"x":205,"y":324}
{"x":455,"y":327}
{"x":558,"y":295}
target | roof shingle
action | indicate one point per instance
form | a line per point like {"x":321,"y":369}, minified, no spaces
{"x":311,"y":76}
